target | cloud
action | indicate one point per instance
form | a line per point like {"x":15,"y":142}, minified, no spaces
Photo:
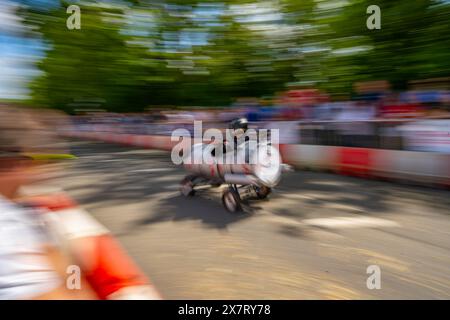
{"x":17,"y":55}
{"x":9,"y":21}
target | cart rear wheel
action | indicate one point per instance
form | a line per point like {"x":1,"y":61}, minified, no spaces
{"x":231,"y":200}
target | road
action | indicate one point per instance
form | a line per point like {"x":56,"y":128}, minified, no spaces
{"x":314,"y":238}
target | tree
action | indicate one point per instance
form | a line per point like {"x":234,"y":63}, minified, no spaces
{"x":178,"y":52}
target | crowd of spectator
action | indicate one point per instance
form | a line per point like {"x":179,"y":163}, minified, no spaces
{"x":375,"y":120}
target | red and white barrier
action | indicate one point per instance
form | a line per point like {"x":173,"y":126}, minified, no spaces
{"x":111,"y":273}
{"x":420,"y":167}
{"x":309,"y":156}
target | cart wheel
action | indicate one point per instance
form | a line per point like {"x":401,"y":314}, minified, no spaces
{"x":263,"y":192}
{"x":231,"y":200}
{"x":187,"y":187}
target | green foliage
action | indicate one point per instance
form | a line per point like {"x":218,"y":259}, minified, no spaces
{"x":144,"y":53}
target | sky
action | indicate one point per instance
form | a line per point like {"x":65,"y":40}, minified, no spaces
{"x":17,"y":54}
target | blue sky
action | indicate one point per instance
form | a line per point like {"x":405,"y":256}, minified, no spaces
{"x":17,"y":54}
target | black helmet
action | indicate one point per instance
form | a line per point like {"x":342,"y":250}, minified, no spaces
{"x":240,"y":123}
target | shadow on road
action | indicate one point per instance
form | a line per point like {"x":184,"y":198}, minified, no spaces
{"x":122,"y":175}
{"x":202,"y":208}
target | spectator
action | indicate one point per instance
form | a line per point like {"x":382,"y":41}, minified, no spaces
{"x":30,"y":263}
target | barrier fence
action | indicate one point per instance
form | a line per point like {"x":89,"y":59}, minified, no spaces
{"x":415,"y":151}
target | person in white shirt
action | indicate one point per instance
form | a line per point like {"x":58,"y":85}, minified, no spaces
{"x":31,"y":266}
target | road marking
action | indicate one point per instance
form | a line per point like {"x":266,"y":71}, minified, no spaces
{"x":350,"y":222}
{"x":332,"y":223}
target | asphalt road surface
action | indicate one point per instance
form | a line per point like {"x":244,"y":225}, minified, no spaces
{"x":314,"y":238}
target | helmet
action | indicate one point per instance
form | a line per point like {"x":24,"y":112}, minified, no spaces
{"x":239,"y":127}
{"x":240,"y":123}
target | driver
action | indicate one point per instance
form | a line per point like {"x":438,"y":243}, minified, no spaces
{"x":236,"y":137}
{"x":239,"y":127}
